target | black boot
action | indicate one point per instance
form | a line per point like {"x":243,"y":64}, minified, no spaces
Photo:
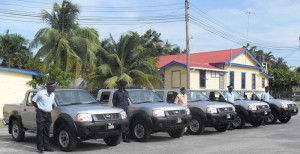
{"x":125,"y":139}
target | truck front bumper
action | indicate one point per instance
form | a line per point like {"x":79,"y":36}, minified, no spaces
{"x":291,"y":111}
{"x":259,"y":114}
{"x":101,"y":129}
{"x":170,"y":122}
{"x":220,"y":118}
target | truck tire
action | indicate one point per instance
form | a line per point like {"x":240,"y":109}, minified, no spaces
{"x":65,"y":139}
{"x":285,"y":119}
{"x":257,"y":122}
{"x":176,"y":133}
{"x":196,"y":126}
{"x":272,"y":118}
{"x":113,"y":140}
{"x":222,"y":128}
{"x":17,"y":131}
{"x":140,"y":131}
{"x":239,"y":121}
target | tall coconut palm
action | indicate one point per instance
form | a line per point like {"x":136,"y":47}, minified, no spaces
{"x":126,"y":59}
{"x":65,"y":43}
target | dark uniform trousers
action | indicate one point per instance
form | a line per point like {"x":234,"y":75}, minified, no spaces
{"x":43,"y":123}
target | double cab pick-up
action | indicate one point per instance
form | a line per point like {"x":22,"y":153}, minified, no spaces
{"x":76,"y":116}
{"x":149,"y":114}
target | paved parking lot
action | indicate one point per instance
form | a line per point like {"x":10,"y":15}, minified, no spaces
{"x":271,"y":139}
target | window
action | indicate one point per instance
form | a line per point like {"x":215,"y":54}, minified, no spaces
{"x":253,"y":81}
{"x":215,"y":74}
{"x":243,"y":85}
{"x":160,"y":94}
{"x":171,"y":96}
{"x":162,"y":77}
{"x":232,"y":78}
{"x":216,"y":96}
{"x":202,"y":77}
{"x":29,"y":99}
{"x":263,"y":82}
{"x":176,"y":79}
{"x":104,"y":97}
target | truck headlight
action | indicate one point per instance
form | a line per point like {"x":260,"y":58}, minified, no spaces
{"x":252,"y":107}
{"x":187,"y":111}
{"x":158,"y":113}
{"x":284,"y":105}
{"x":123,"y":115}
{"x":84,"y":117}
{"x":211,"y":110}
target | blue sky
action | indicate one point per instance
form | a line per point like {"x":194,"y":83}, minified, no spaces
{"x":274,"y":26}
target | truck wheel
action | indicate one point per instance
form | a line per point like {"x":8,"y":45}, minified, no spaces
{"x":141,"y":131}
{"x":257,"y":122}
{"x":222,"y":128}
{"x":285,"y":119}
{"x":239,"y":121}
{"x":176,"y":133}
{"x":17,"y":131}
{"x":65,"y":139}
{"x":272,"y":118}
{"x":113,"y":140}
{"x":196,"y":126}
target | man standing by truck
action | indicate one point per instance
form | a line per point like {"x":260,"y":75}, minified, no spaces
{"x":121,"y":100}
{"x":43,"y":102}
{"x":229,"y":97}
{"x":181,"y":99}
{"x":265,"y":97}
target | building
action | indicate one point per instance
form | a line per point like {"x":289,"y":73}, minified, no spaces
{"x":13,"y":85}
{"x":214,"y":70}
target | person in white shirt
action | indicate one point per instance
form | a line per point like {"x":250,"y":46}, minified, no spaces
{"x":265,"y":97}
{"x":181,"y":99}
{"x":229,"y":97}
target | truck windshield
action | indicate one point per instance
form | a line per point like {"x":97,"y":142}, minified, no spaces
{"x":194,"y":96}
{"x":259,"y":93}
{"x":143,"y":96}
{"x":237,"y":96}
{"x":73,"y":97}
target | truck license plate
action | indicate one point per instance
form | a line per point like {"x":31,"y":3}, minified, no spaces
{"x":266,"y":112}
{"x":110,"y":125}
{"x":295,"y":110}
{"x":179,"y":120}
{"x":228,"y":116}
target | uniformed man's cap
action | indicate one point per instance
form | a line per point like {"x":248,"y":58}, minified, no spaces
{"x":51,"y":84}
{"x":122,"y":83}
{"x":182,"y":88}
{"x":230,"y":87}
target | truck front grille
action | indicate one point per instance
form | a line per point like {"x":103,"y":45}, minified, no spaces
{"x":175,"y":112}
{"x":291,"y":105}
{"x":107,"y":116}
{"x":262,"y":107}
{"x":225,"y":109}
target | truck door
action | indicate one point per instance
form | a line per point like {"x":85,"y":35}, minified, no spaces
{"x":28,"y":113}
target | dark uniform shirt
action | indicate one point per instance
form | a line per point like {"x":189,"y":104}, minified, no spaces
{"x":121,"y":99}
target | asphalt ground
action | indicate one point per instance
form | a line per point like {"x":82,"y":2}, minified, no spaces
{"x":270,"y":139}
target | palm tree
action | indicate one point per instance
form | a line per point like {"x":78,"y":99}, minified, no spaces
{"x":14,"y":51}
{"x":126,"y":59}
{"x":65,"y":43}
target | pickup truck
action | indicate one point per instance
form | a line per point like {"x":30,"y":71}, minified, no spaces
{"x":281,"y":109}
{"x":253,"y":112}
{"x":76,"y":116}
{"x":149,"y":114}
{"x":204,"y":113}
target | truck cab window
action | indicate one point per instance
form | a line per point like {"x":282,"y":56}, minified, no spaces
{"x":104,"y":97}
{"x":29,"y":99}
{"x":171,"y":96}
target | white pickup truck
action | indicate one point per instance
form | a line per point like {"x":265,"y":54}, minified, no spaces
{"x":77,"y":116}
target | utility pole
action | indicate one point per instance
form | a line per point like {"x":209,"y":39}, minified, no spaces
{"x":187,"y":40}
{"x":249,"y":13}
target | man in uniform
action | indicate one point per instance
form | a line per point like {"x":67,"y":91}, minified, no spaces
{"x":181,"y":99}
{"x":229,"y":97}
{"x":265,"y":97}
{"x":121,"y":100}
{"x":43,"y":102}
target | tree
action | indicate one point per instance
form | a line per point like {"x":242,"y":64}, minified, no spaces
{"x":297,"y":69}
{"x":65,"y":44}
{"x":14,"y":51}
{"x":126,"y":59}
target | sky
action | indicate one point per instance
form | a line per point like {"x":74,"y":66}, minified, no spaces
{"x":214,"y":24}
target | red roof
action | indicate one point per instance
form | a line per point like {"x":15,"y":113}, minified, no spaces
{"x":201,"y":59}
